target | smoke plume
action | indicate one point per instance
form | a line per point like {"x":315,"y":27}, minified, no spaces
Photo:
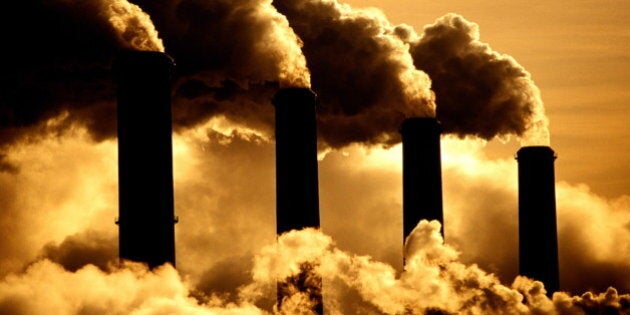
{"x":59,"y":68}
{"x":369,"y":75}
{"x":479,"y":91}
{"x":362,"y":71}
{"x":233,"y":55}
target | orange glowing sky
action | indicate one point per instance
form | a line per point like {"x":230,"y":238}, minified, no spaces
{"x":578,"y":53}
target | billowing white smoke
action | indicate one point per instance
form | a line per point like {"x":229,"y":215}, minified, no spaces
{"x":434,"y":281}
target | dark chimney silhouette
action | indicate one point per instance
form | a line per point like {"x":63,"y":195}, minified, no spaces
{"x":297,"y":192}
{"x":145,"y":169}
{"x":422,"y":172}
{"x":538,"y":240}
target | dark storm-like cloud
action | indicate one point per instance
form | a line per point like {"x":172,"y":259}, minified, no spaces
{"x":359,"y":65}
{"x":56,"y":70}
{"x":479,"y":91}
{"x":233,"y":55}
{"x":85,"y":248}
{"x":228,"y":53}
{"x":362,"y":71}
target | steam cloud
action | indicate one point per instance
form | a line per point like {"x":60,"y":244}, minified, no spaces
{"x":479,"y":91}
{"x":61,"y":206}
{"x":233,"y":55}
{"x":434,"y":281}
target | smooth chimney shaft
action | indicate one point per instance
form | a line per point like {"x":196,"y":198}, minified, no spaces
{"x":538,"y":240}
{"x":297,"y":192}
{"x":145,"y":168}
{"x":422,"y":172}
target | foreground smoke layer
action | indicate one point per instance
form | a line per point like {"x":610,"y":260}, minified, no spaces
{"x":434,"y":282}
{"x":62,"y":207}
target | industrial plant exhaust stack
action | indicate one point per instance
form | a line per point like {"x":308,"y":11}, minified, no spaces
{"x":145,"y":168}
{"x":422,"y":172}
{"x":297,"y":192}
{"x":538,"y":241}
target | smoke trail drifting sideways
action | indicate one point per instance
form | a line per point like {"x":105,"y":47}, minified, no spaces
{"x":245,"y":41}
{"x":133,"y":26}
{"x":59,"y":67}
{"x":233,"y":55}
{"x":361,"y":70}
{"x":125,"y":22}
{"x":363,"y":73}
{"x":479,"y":91}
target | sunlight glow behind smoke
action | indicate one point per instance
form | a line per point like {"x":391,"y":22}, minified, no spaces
{"x":232,"y":168}
{"x":134,"y":27}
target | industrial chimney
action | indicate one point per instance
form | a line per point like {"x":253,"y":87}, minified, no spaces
{"x":297,"y":192}
{"x":422,"y":172}
{"x":538,"y":241}
{"x":145,"y":168}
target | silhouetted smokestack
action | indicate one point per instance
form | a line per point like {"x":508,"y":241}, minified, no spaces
{"x":145,"y":168}
{"x":297,"y":192}
{"x":538,"y":241}
{"x":422,"y":172}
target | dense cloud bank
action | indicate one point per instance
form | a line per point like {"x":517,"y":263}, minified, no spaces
{"x":233,"y":55}
{"x":434,"y":281}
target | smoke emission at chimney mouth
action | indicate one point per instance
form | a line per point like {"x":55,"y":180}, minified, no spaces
{"x":421,"y":125}
{"x":289,"y":94}
{"x":129,"y":62}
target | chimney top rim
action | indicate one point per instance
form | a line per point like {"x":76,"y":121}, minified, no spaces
{"x":142,"y":59}
{"x":284,"y":94}
{"x":420,"y":124}
{"x":536,"y":150}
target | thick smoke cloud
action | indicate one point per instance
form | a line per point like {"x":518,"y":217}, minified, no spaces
{"x":233,"y":55}
{"x":64,"y":187}
{"x":59,"y":66}
{"x":479,"y":91}
{"x":434,"y":281}
{"x":84,"y":248}
{"x":365,"y":69}
{"x":362,"y":71}
{"x":224,"y":198}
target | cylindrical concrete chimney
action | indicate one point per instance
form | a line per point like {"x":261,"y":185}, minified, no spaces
{"x":422,"y":172}
{"x":145,"y":168}
{"x":538,"y":241}
{"x":297,"y":192}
